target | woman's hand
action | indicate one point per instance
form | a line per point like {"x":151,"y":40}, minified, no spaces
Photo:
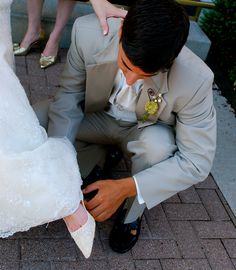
{"x":104,"y":10}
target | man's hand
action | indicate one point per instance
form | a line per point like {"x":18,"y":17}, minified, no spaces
{"x":104,"y":10}
{"x":111,"y":194}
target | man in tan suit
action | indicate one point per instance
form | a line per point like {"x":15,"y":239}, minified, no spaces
{"x":141,"y":89}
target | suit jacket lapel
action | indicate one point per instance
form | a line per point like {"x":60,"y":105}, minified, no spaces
{"x":100,"y":77}
{"x":158,"y":85}
{"x":99,"y":84}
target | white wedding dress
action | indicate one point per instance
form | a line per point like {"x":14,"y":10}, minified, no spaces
{"x":39,"y":176}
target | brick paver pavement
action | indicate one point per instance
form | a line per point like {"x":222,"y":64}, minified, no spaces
{"x":193,"y":230}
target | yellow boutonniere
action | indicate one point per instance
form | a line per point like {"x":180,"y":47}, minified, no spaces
{"x":151,"y":106}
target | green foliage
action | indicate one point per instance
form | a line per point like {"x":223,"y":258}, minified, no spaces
{"x":220,"y":26}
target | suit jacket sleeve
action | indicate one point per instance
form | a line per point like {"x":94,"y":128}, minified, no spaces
{"x":65,"y":113}
{"x":196,"y":142}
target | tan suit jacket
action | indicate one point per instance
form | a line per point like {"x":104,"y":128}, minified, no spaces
{"x":187,"y":105}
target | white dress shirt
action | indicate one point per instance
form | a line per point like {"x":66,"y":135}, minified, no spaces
{"x":123,"y":102}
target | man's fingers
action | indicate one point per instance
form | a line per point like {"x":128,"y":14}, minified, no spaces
{"x":100,"y":214}
{"x":93,"y":203}
{"x":102,"y":217}
{"x":90,"y":188}
{"x":94,"y":207}
{"x":97,"y":211}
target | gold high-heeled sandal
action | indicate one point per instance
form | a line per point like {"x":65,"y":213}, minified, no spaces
{"x":21,"y":51}
{"x":47,"y":61}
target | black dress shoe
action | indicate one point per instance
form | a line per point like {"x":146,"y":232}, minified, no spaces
{"x":124,"y":236}
{"x":113,"y":157}
{"x":96,"y":174}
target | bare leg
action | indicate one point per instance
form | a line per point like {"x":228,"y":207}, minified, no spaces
{"x":34,"y":8}
{"x":77,"y":219}
{"x":64,"y":10}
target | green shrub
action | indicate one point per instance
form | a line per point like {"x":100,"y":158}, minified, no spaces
{"x":220,"y":26}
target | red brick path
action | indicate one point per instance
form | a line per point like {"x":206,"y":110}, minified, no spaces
{"x":193,"y":230}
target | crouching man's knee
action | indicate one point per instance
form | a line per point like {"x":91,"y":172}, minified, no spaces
{"x":155,"y":144}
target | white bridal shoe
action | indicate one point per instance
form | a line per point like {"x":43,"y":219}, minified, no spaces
{"x":84,"y":236}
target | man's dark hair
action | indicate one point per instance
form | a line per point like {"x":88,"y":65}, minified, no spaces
{"x":153,"y":34}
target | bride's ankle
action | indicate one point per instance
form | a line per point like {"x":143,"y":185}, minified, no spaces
{"x":51,"y":48}
{"x":77,"y":219}
{"x":29,"y":38}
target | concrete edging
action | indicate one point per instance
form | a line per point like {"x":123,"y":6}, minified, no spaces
{"x":224,"y":167}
